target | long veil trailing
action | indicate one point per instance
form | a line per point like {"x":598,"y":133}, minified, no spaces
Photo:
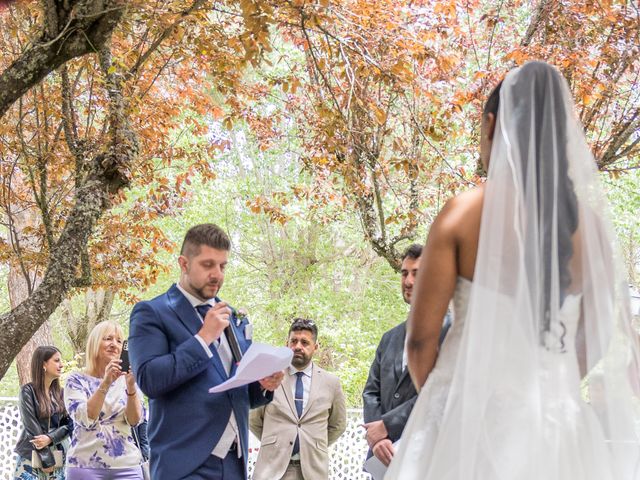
{"x":549,"y":304}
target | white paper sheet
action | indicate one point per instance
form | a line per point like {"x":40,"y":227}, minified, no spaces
{"x":375,"y":467}
{"x":259,"y":361}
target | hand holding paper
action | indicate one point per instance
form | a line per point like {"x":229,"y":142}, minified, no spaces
{"x":272,"y":382}
{"x":259,"y":361}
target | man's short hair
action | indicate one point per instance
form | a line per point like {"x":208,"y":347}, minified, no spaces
{"x":207,"y":234}
{"x":300,"y":324}
{"x":413,"y":252}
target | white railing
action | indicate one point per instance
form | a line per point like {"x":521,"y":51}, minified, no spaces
{"x":346,"y":455}
{"x":10,"y":426}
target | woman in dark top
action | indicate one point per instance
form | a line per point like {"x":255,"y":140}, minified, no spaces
{"x":45,"y":421}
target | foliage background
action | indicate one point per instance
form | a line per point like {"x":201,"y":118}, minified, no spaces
{"x":305,"y":268}
{"x":323,"y":136}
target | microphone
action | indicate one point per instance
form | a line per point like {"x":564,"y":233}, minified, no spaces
{"x":230,"y":333}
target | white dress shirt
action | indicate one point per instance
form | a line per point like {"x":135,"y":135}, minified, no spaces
{"x":306,"y":382}
{"x":306,"y":389}
{"x":230,"y":433}
{"x":405,"y":357}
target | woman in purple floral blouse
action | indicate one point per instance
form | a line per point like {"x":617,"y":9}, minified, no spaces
{"x":104,"y":403}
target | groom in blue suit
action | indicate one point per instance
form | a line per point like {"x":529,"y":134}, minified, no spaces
{"x":178,"y":350}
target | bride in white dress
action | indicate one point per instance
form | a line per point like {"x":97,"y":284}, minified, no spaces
{"x":537,"y":378}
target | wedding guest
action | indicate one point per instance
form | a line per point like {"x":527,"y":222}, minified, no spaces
{"x":104,"y":403}
{"x":46,"y":424}
{"x":308,"y":414}
{"x":182,"y":343}
{"x":389,"y":394}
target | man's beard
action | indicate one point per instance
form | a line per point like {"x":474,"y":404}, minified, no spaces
{"x":201,"y":292}
{"x":206,"y":296}
{"x":406,"y":296}
{"x":300,"y":361}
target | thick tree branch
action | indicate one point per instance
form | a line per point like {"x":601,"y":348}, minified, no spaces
{"x":87,"y":25}
{"x":539,"y":18}
{"x":105,"y":177}
{"x":619,"y":138}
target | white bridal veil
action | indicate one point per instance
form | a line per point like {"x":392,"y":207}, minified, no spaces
{"x":549,"y":304}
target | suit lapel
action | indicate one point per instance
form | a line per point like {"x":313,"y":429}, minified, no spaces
{"x":287,"y":387}
{"x":191,"y":320}
{"x":316,"y":386}
{"x":404,"y":375}
{"x":184,"y":310}
{"x":398,"y":348}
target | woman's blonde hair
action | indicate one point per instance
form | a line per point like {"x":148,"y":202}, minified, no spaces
{"x":93,"y":342}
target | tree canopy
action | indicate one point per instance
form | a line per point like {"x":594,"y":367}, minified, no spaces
{"x":110,"y":109}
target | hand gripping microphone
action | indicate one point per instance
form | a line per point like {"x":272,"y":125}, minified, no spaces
{"x":230,"y":333}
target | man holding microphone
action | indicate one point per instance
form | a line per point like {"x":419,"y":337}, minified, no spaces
{"x":181,"y":344}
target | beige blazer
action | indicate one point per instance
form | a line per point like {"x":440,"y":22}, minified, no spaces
{"x":323,"y":420}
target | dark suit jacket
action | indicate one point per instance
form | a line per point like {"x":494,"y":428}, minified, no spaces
{"x":174,"y":371}
{"x":389,"y":394}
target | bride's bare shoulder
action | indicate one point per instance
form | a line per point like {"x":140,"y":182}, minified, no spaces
{"x":460,"y":208}
{"x":468,"y":199}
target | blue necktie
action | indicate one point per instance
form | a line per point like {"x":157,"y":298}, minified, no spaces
{"x":299,"y":399}
{"x":203,"y":309}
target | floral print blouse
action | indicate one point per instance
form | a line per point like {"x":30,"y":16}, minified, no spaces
{"x":106,"y":442}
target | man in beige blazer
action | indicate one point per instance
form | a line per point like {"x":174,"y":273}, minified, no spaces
{"x":307,"y":415}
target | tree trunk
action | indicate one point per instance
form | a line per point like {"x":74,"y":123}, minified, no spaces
{"x":18,"y":292}
{"x":19,"y":325}
{"x":21,"y":281}
{"x":108,"y":172}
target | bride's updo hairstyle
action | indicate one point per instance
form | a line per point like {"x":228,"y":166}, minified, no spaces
{"x":538,"y":107}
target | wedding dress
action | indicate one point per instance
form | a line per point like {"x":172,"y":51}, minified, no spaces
{"x":563,"y":407}
{"x":422,"y":430}
{"x":547,"y":308}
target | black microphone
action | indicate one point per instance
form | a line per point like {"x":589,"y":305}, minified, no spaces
{"x":230,"y":333}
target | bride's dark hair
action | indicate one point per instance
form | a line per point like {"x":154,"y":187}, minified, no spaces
{"x":493,"y":102}
{"x":544,"y":84}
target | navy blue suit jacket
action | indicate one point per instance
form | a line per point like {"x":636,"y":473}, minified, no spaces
{"x":174,"y":371}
